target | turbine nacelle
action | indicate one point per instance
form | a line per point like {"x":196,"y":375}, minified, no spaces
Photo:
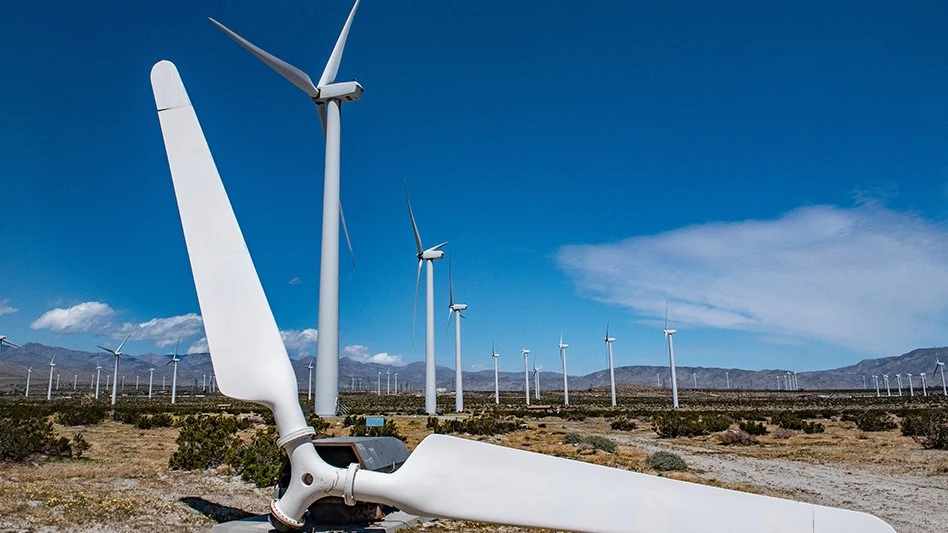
{"x":458,"y":307}
{"x":347,"y":91}
{"x":610,"y":339}
{"x":432,"y":254}
{"x":670,"y":331}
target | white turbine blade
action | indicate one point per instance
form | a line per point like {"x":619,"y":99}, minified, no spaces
{"x":247,"y":352}
{"x":414,"y":226}
{"x":448,"y":325}
{"x":468,"y":480}
{"x":12,"y":344}
{"x":438,"y":247}
{"x":345,"y":231}
{"x":332,"y":66}
{"x":111,"y":351}
{"x":414,"y":312}
{"x":322,"y":116}
{"x":119,"y":349}
{"x":450,"y":288}
{"x":292,"y":74}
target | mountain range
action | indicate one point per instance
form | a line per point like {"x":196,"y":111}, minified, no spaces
{"x":195,"y":368}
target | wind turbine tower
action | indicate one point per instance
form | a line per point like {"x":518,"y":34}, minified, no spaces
{"x":526,"y":372}
{"x":328,"y":97}
{"x":495,"y":356}
{"x":875,"y":379}
{"x":117,"y":353}
{"x":727,"y":378}
{"x":911,"y":388}
{"x":888,"y":391}
{"x":456,"y":309}
{"x":174,"y":374}
{"x":29,"y":372}
{"x":612,"y":372}
{"x":898,"y":377}
{"x":563,"y":348}
{"x":309,"y":388}
{"x":924,"y":389}
{"x":536,"y":379}
{"x":49,"y":391}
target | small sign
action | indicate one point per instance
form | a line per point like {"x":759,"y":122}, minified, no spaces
{"x":374,"y":421}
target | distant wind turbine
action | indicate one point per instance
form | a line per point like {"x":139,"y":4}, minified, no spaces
{"x":495,"y":356}
{"x":526,"y":372}
{"x":612,"y":372}
{"x":727,"y":378}
{"x":875,"y":379}
{"x":29,"y":372}
{"x":563,"y":348}
{"x":117,"y":353}
{"x":430,"y":255}
{"x":888,"y":391}
{"x":911,"y":389}
{"x":174,"y":374}
{"x":49,"y":391}
{"x":898,"y":377}
{"x":924,"y":389}
{"x":940,"y":366}
{"x":3,"y":340}
{"x":671,"y":360}
{"x":456,"y":309}
{"x":536,"y":379}
{"x":309,"y":388}
{"x":328,"y":97}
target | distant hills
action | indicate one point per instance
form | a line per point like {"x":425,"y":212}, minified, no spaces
{"x":193,"y":369}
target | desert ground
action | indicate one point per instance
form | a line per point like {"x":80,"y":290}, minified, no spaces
{"x":123,"y":481}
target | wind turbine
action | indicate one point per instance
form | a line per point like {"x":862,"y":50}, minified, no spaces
{"x":563,"y":348}
{"x":151,"y":375}
{"x":727,"y":377}
{"x":924,"y":390}
{"x":888,"y":391}
{"x":671,"y":360}
{"x":456,"y":309}
{"x":940,"y":366}
{"x":251,"y":363}
{"x":495,"y":356}
{"x":309,"y":388}
{"x":536,"y":379}
{"x":174,"y":374}
{"x":29,"y":372}
{"x":49,"y":391}
{"x":328,"y":97}
{"x":430,"y":255}
{"x":911,"y":388}
{"x":526,"y":372}
{"x":3,"y":340}
{"x":612,"y":372}
{"x":388,"y":382}
{"x":117,"y":353}
{"x":396,"y":383}
{"x":898,"y":377}
{"x":98,"y":376}
{"x":875,"y":379}
{"x":694,"y":376}
{"x":380,"y":383}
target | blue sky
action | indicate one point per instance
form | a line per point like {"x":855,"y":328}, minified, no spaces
{"x":777,"y":172}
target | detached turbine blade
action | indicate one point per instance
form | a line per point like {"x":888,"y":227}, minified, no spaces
{"x":332,"y":66}
{"x":487,"y":483}
{"x":292,"y":74}
{"x":247,"y":352}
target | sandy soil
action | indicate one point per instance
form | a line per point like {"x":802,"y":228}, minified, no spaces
{"x":124,"y":484}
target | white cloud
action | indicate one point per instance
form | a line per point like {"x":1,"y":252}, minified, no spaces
{"x":296,"y":281}
{"x":298,"y":340}
{"x":6,"y":308}
{"x":359,"y":352}
{"x":199,"y":347}
{"x":164,"y":331}
{"x":87,"y":317}
{"x":866,"y":278}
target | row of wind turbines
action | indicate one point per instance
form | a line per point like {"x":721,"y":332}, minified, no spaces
{"x":939,"y":368}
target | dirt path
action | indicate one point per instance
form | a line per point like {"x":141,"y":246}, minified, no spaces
{"x":909,"y":501}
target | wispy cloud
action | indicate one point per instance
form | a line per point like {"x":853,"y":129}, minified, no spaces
{"x":87,"y":317}
{"x":866,"y":278}
{"x":6,"y":308}
{"x":200,"y":346}
{"x":362,"y":353}
{"x":164,"y":331}
{"x":299,"y":340}
{"x":296,"y":281}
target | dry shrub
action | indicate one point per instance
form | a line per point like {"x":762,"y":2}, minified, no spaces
{"x":667,"y":461}
{"x":739,"y":437}
{"x":784,"y":433}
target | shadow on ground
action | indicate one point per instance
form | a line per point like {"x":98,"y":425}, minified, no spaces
{"x":215,"y":511}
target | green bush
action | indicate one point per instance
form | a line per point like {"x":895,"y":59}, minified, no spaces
{"x":813,"y":427}
{"x":677,"y":424}
{"x":485,"y":424}
{"x":83,"y":414}
{"x":259,"y":461}
{"x":572,"y":438}
{"x":928,"y":429}
{"x":753,"y":428}
{"x":666,"y":461}
{"x":24,"y":436}
{"x":875,"y":421}
{"x":623,"y":424}
{"x":79,"y":445}
{"x":318,"y":423}
{"x":160,"y":420}
{"x":602,"y":443}
{"x":787,"y":420}
{"x":205,"y":442}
